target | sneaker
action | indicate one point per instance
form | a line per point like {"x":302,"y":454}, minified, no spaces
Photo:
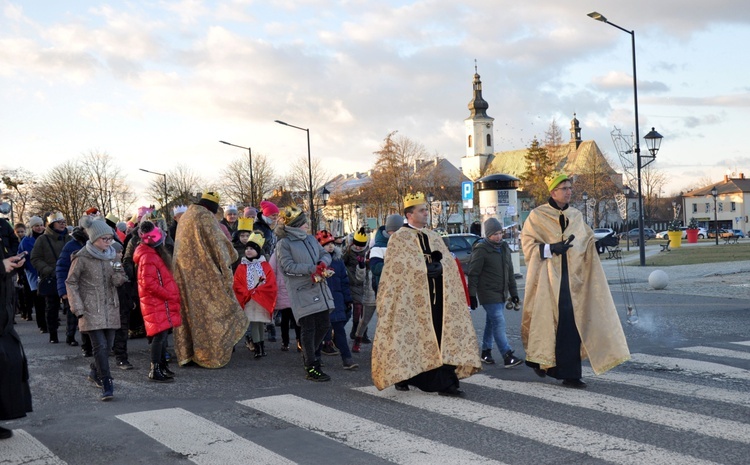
{"x":329,"y":349}
{"x":285,"y":347}
{"x":314,"y":374}
{"x":350,"y":365}
{"x":71,"y":341}
{"x":510,"y":360}
{"x":94,"y":379}
{"x":124,"y":365}
{"x":87,"y":352}
{"x":487,"y":357}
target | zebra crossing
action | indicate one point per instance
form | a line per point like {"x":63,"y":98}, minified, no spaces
{"x":585,"y":426}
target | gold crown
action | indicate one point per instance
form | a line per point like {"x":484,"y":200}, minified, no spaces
{"x":554,"y":179}
{"x":210,"y":195}
{"x":360,"y":238}
{"x":245,"y":224}
{"x":291,"y":213}
{"x":414,"y":199}
{"x":257,"y":238}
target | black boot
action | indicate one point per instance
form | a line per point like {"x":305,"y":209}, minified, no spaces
{"x":256,"y":350}
{"x":108,"y":389}
{"x":53,"y":337}
{"x":165,"y":369}
{"x":365,"y":339}
{"x":156,"y":374}
{"x":262,"y":348}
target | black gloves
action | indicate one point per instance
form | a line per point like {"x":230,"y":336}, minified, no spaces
{"x":434,"y":270}
{"x":474,"y":304}
{"x":559,"y":248}
{"x":514,"y":299}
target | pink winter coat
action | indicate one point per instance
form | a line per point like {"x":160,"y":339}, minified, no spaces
{"x":158,"y":291}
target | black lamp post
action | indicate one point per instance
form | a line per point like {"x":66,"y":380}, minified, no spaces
{"x":585,"y":197}
{"x":430,"y":199}
{"x":309,"y":168}
{"x":325,"y":194}
{"x":250,"y":159}
{"x":164,"y":202}
{"x":636,"y":148}
{"x":715,"y":192}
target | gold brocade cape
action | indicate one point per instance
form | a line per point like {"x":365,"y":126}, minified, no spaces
{"x":602,"y":338}
{"x":405,"y":343}
{"x":212,"y":319}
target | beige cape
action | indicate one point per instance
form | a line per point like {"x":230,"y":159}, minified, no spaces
{"x":405,"y":343}
{"x":212,"y":319}
{"x":602,"y":338}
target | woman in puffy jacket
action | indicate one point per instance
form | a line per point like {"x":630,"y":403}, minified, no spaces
{"x":159,"y":296}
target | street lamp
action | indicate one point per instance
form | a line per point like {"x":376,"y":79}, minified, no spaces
{"x":430,"y":199}
{"x":445,"y":204}
{"x":250,"y":159}
{"x":636,"y":147}
{"x":627,"y":192}
{"x":325,"y":195}
{"x":164,"y":202}
{"x":585,"y":198}
{"x":309,"y":167}
{"x":714,"y":192}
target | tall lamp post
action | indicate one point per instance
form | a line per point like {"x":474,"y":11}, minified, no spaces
{"x":309,"y":167}
{"x":164,"y":203}
{"x":250,"y":159}
{"x":626,"y":191}
{"x":430,"y":199}
{"x":585,"y":198}
{"x":636,"y":147}
{"x":715,"y":192}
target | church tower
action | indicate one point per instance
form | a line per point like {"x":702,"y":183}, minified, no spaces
{"x":479,"y":141}
{"x":575,"y":133}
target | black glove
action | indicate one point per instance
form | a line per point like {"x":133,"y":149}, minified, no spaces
{"x":434,"y":270}
{"x":361,"y":261}
{"x":559,"y":248}
{"x":514,"y":299}
{"x":473,"y":302}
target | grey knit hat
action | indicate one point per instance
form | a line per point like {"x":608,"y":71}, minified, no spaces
{"x":35,"y":221}
{"x":491,"y":226}
{"x":95,"y":228}
{"x":393,"y":222}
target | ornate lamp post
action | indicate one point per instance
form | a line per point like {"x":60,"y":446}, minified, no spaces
{"x":430,"y":199}
{"x":585,"y":197}
{"x":715,"y":192}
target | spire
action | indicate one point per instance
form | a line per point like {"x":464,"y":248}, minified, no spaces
{"x":575,"y":132}
{"x":478,"y":106}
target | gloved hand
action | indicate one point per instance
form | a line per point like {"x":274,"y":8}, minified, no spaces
{"x":559,"y":248}
{"x":361,"y":261}
{"x":474,"y":304}
{"x":434,"y":270}
{"x":515,"y":299}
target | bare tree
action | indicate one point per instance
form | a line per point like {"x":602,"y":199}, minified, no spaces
{"x":182,"y":186}
{"x":395,"y":172}
{"x":596,"y":180}
{"x":109,"y":190}
{"x":653,"y":181}
{"x":235,"y":179}
{"x":63,"y":189}
{"x":19,"y":187}
{"x":553,"y":142}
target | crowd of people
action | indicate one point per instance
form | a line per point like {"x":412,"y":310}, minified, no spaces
{"x":217,"y":276}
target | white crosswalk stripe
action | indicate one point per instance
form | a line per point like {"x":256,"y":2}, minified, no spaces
{"x":24,"y":448}
{"x":598,"y":445}
{"x":377,"y":439}
{"x":200,"y":440}
{"x":717,"y":352}
{"x":742,"y":343}
{"x":673,"y":418}
{"x":691,"y":366}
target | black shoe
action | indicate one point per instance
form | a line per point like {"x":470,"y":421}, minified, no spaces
{"x":402,"y":386}
{"x":365,"y":339}
{"x":5,"y":433}
{"x":164,"y":365}
{"x":329,"y":349}
{"x":453,"y":391}
{"x":53,"y":338}
{"x":124,"y":365}
{"x":574,"y":383}
{"x":350,"y":365}
{"x":87,"y":352}
{"x":43,"y":330}
{"x":94,"y":379}
{"x":487,"y":357}
{"x":285,"y":347}
{"x":510,"y":360}
{"x":71,"y":341}
{"x":314,"y":374}
{"x":108,"y":389}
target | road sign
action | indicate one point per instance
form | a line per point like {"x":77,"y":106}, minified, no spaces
{"x":467,"y":194}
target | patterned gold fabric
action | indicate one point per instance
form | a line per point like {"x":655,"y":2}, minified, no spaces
{"x":212,"y":319}
{"x":405,"y":343}
{"x":602,"y":338}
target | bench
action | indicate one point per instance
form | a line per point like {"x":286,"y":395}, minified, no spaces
{"x":731,"y":239}
{"x":634,"y":242}
{"x":614,"y":253}
{"x":665,"y":247}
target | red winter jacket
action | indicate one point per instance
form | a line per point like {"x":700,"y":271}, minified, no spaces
{"x":264,"y":294}
{"x":158,"y":291}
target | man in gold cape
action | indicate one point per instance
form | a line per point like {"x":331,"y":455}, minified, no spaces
{"x":569,"y":313}
{"x":424,"y":336}
{"x":212,"y":319}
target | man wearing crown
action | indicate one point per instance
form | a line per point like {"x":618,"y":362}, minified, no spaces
{"x":568,"y":312}
{"x":212,"y":319}
{"x":424,"y":336}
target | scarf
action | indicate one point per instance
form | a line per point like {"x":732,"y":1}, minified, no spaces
{"x":108,"y":254}
{"x":255,"y":275}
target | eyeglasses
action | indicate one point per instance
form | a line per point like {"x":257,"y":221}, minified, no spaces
{"x":107,"y":239}
{"x":564,"y":188}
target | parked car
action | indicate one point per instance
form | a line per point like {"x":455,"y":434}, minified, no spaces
{"x":738,"y":233}
{"x":460,"y":245}
{"x":648,"y":233}
{"x":722,"y":233}
{"x":602,"y":232}
{"x":701,"y":233}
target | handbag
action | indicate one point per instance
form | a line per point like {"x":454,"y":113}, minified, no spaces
{"x":48,"y":285}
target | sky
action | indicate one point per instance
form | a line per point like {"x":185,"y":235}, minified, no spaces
{"x":158,"y":83}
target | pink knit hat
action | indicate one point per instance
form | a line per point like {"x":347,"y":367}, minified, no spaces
{"x":268,"y":208}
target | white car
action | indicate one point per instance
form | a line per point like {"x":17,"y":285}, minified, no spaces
{"x":701,"y":233}
{"x":602,"y":232}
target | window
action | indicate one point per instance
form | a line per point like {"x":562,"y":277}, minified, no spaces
{"x":708,"y":207}
{"x":721,"y":206}
{"x":469,"y":141}
{"x":733,"y":206}
{"x":489,"y":140}
{"x":695,"y":208}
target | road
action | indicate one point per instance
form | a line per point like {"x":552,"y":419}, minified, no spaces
{"x":684,"y":398}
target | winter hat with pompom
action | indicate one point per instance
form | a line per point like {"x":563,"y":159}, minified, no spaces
{"x":95,"y":228}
